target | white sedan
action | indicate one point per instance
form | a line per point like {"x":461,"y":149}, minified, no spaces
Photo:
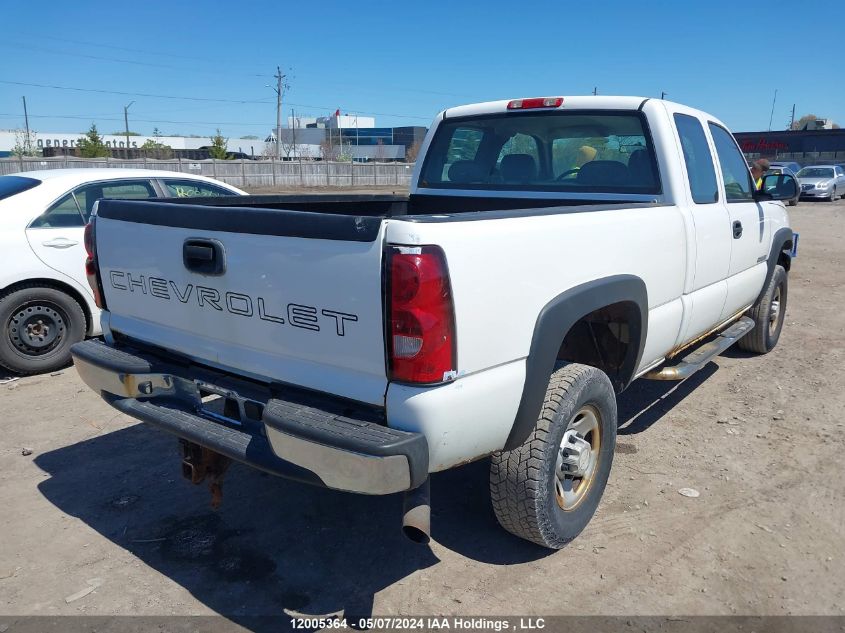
{"x":46,"y":304}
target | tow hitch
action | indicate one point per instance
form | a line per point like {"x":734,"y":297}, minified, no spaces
{"x":199,"y":462}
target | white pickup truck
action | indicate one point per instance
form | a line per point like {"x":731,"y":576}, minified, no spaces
{"x":551,"y":251}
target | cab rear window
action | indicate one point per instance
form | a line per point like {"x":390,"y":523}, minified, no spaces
{"x":13,"y":185}
{"x":578,"y":151}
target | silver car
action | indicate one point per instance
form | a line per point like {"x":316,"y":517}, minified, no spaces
{"x":822,"y":181}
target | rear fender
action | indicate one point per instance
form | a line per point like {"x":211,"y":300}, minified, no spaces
{"x":554,"y":322}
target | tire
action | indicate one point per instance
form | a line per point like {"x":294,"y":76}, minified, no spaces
{"x":768,"y":314}
{"x":793,"y":202}
{"x":529,"y":499}
{"x":833,"y":195}
{"x":38,"y":324}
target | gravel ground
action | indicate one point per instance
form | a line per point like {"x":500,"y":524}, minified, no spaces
{"x":97,"y":520}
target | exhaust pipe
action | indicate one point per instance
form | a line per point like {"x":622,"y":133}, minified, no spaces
{"x":416,"y":513}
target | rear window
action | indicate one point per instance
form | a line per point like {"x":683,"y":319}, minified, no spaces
{"x":579,"y":151}
{"x":13,"y":185}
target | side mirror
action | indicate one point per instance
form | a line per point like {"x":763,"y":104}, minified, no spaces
{"x":777,"y":187}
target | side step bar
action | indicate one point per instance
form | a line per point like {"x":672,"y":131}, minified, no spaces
{"x":704,"y":354}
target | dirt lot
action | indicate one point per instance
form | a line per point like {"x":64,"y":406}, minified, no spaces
{"x":97,"y":520}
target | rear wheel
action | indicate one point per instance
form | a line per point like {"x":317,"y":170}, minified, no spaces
{"x":39,"y":324}
{"x":547,"y":490}
{"x":768,"y":314}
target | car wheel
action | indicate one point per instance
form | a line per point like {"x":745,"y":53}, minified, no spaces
{"x":793,"y":202}
{"x":39,"y":324}
{"x":833,"y":195}
{"x":547,"y":490}
{"x":768,"y":314}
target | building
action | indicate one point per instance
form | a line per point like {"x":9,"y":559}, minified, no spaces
{"x":803,"y":146}
{"x":345,"y":135}
{"x":251,"y":147}
{"x":342,"y":136}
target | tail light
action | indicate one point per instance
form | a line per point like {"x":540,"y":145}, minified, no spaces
{"x":421,"y":319}
{"x":92,"y":268}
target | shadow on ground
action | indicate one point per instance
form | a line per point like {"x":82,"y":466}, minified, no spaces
{"x":277,"y":545}
{"x":273,"y":544}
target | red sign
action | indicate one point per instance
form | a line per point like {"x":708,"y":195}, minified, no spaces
{"x":763,"y":145}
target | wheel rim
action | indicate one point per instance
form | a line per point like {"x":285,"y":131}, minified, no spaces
{"x":775,"y":311}
{"x":578,"y":458}
{"x":37,"y":328}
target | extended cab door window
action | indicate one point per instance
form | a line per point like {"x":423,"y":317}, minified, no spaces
{"x":698,"y":160}
{"x":735,"y":174}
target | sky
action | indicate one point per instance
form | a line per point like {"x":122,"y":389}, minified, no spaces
{"x":193,"y":67}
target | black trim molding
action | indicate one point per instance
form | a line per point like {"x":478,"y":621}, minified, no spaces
{"x":259,"y":221}
{"x":555,"y":321}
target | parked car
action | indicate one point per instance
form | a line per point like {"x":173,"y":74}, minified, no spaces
{"x":822,"y":181}
{"x":551,"y":251}
{"x":791,"y":165}
{"x":777,"y":168}
{"x":46,"y":304}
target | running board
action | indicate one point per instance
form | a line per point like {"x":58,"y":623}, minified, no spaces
{"x":704,"y":354}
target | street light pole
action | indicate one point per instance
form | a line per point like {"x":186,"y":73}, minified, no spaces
{"x":126,"y":124}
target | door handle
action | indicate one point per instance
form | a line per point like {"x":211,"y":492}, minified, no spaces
{"x":737,"y":229}
{"x":204,"y":256}
{"x":59,"y":242}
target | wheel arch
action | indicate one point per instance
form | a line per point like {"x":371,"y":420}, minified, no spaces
{"x":622,"y":294}
{"x":56,"y":285}
{"x":780,"y":253}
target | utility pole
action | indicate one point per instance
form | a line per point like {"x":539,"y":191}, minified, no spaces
{"x":280,"y":86}
{"x":663,"y":94}
{"x":595,"y":91}
{"x":126,"y":125}
{"x":772,"y":115}
{"x":792,"y":118}
{"x":28,"y":143}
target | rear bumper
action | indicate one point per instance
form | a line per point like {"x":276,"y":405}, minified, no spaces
{"x":303,"y":436}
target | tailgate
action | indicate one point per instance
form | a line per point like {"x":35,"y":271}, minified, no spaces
{"x":284,"y":296}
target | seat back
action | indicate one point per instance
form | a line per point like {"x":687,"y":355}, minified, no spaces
{"x":603,"y":173}
{"x":465,"y":171}
{"x":518,"y":168}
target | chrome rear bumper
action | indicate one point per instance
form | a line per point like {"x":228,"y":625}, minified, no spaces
{"x":303,"y":436}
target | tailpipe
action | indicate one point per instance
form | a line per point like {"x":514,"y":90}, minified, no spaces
{"x":416,"y":513}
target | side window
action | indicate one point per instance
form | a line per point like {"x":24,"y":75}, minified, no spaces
{"x":87,"y":195}
{"x":735,"y":174}
{"x":62,"y":214}
{"x":460,"y":165}
{"x":697,"y":157}
{"x":194,"y":189}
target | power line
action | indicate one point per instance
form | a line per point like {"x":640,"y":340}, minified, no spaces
{"x":127,"y":94}
{"x":115,"y":60}
{"x":205,"y":99}
{"x":158,"y":53}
